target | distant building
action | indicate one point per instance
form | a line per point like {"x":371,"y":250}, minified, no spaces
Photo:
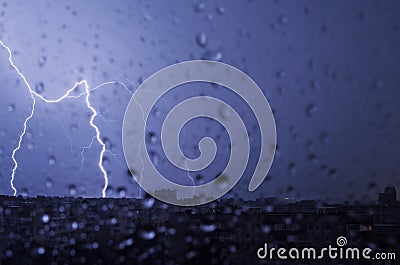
{"x":228,"y":231}
{"x":388,"y":196}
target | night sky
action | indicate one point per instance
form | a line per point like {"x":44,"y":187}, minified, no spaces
{"x":329,"y":69}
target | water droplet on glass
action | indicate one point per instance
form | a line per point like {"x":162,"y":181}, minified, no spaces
{"x":147,"y":17}
{"x":288,"y":220}
{"x":52,"y":160}
{"x":74,"y":127}
{"x":200,"y":7}
{"x":148,"y":202}
{"x":283,"y":20}
{"x":106,"y":161}
{"x":24,"y":193}
{"x":310,"y":110}
{"x":95,"y":245}
{"x":208,"y":227}
{"x":325,"y":138}
{"x":199,"y":179}
{"x":49,"y":183}
{"x":212,"y":55}
{"x":147,"y":235}
{"x":41,"y":251}
{"x":129,"y":242}
{"x":30,"y":146}
{"x":222,"y":182}
{"x":315,"y":84}
{"x":225,"y":112}
{"x":42,"y":61}
{"x":313,"y":158}
{"x":29,"y":134}
{"x":157,"y":112}
{"x":152,"y":138}
{"x":153,"y":157}
{"x":11,"y":108}
{"x":190,"y":255}
{"x":109,"y":190}
{"x":72,"y":190}
{"x":39,"y":88}
{"x":107,"y":142}
{"x":45,"y":218}
{"x":74,"y":225}
{"x":280,"y":74}
{"x":292,"y":168}
{"x":332,"y":172}
{"x":121,"y":191}
{"x":201,"y":39}
{"x":266,"y":229}
{"x":221,"y":10}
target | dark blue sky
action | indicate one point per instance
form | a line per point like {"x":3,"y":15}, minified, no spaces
{"x":328,"y":68}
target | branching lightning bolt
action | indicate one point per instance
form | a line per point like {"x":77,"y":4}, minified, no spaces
{"x":103,"y":146}
{"x":83,"y":152}
{"x":34,"y":94}
{"x":21,"y":136}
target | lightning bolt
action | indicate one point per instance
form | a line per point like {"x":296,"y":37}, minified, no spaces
{"x":83,"y":152}
{"x":103,"y":146}
{"x":34,"y":95}
{"x":21,"y":136}
{"x":187,"y":171}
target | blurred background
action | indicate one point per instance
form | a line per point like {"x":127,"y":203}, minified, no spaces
{"x":329,"y":70}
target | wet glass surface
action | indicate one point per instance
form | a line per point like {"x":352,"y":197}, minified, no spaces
{"x":329,"y":70}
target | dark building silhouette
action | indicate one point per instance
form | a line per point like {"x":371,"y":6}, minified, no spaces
{"x":53,"y":230}
{"x":388,"y":196}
